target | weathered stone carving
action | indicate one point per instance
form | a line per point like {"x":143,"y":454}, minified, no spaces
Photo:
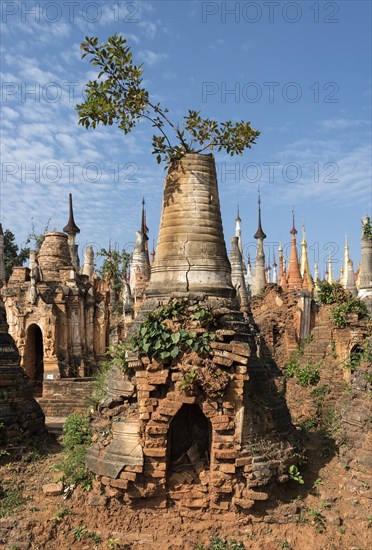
{"x":58,"y":318}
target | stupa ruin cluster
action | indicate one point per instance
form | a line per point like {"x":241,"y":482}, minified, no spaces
{"x":205,"y":428}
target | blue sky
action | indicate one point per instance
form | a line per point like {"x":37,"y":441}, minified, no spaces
{"x":299,"y":71}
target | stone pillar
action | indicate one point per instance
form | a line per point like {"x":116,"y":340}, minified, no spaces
{"x":275,"y":273}
{"x":75,"y":329}
{"x":365,"y":274}
{"x":304,"y":305}
{"x":191,"y":252}
{"x":88,"y":267}
{"x":259,"y":276}
{"x":89,"y":322}
{"x":100,"y":329}
{"x":139,"y":262}
{"x":237,"y":273}
{"x":350,"y":280}
{"x":32,"y":260}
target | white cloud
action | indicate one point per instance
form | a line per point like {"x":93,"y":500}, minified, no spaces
{"x":132,"y":38}
{"x":149,"y":28}
{"x":71,"y":53}
{"x":343,"y":123}
{"x":8,"y":114}
{"x":152,"y":58}
{"x":332,"y":175}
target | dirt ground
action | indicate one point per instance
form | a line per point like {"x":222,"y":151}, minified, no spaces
{"x":329,"y":511}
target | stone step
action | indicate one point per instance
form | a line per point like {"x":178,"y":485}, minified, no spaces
{"x":54,"y":424}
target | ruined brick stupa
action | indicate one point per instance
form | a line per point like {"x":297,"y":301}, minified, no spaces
{"x":59,"y":319}
{"x":20,"y":415}
{"x":203,"y":428}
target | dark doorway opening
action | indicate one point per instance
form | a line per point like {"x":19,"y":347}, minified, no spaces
{"x":355,"y":353}
{"x":189,"y":440}
{"x":34,"y":358}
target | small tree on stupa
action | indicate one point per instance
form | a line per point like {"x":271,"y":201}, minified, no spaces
{"x":117,"y":96}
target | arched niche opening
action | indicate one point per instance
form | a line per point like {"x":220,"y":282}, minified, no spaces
{"x":34,"y":358}
{"x":189,"y":440}
{"x":355,"y":354}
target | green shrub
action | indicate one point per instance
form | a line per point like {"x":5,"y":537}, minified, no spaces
{"x":100,"y":378}
{"x":345,"y":303}
{"x":76,"y":440}
{"x":310,"y":424}
{"x":10,"y":501}
{"x":320,"y":392}
{"x":341,"y":312}
{"x":77,"y":431}
{"x":117,"y":356}
{"x":330,"y":293}
{"x":307,"y":375}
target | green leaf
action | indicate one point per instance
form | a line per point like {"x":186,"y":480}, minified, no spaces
{"x":176,"y":337}
{"x":146,"y":347}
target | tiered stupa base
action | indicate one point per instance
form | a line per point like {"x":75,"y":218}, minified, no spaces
{"x":206,"y":431}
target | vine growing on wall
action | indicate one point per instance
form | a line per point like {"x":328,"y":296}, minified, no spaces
{"x":161,"y":335}
{"x":177,"y":333}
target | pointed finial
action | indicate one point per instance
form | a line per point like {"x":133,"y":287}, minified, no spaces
{"x":303,"y":234}
{"x":71,"y":227}
{"x":237,"y":219}
{"x":293,"y":231}
{"x":144,"y":228}
{"x":259,"y":233}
